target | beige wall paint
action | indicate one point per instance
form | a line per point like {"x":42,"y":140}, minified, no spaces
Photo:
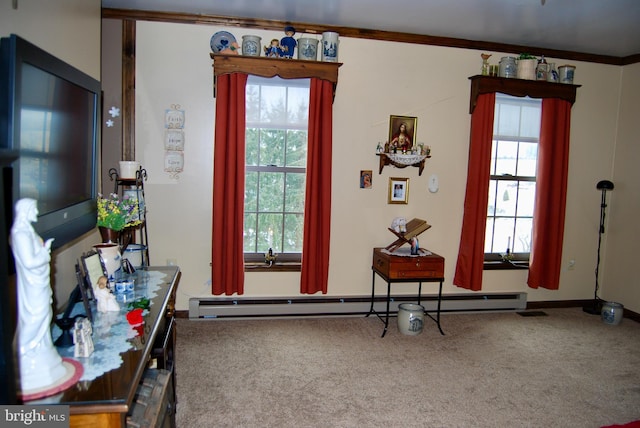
{"x":620,"y":281}
{"x":70,"y":30}
{"x":377,"y":79}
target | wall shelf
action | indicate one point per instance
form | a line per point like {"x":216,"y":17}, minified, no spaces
{"x":271,"y":67}
{"x":520,"y":88}
{"x":387,"y":159}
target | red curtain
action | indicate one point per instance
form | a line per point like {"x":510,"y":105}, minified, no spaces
{"x":470,"y":262}
{"x":227,"y":258}
{"x":551,"y":193}
{"x":317,"y":206}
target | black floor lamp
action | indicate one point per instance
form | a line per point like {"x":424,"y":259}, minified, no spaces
{"x":595,"y":307}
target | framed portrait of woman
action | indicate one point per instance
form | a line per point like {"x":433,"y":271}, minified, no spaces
{"x":398,"y":190}
{"x":402,"y":132}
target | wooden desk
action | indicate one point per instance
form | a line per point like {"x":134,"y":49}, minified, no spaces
{"x":391,"y":268}
{"x":106,"y":400}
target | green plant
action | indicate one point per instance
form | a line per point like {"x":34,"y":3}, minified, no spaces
{"x":526,"y":56}
{"x":117,"y":214}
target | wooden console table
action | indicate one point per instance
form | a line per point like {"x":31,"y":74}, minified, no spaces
{"x":106,"y":400}
{"x":393,"y":268}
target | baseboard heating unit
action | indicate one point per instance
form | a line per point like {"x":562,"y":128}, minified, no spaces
{"x":243,"y":308}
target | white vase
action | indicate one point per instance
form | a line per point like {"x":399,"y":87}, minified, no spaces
{"x":308,"y":49}
{"x":110,"y":255}
{"x":330,"y":45}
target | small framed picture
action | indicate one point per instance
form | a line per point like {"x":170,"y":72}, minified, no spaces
{"x":366,"y":179}
{"x":402,"y":132}
{"x":398,"y":190}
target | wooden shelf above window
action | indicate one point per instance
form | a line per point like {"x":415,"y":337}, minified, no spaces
{"x":271,"y":67}
{"x":520,"y":88}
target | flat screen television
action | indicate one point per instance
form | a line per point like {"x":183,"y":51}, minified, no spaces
{"x":50,"y":121}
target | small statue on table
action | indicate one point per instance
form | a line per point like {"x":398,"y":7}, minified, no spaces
{"x":106,"y":300}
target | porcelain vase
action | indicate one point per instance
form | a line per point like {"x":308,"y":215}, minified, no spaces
{"x":110,"y":255}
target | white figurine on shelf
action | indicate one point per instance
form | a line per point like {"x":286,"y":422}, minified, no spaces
{"x":82,"y":338}
{"x":106,"y":300}
{"x":40,"y":364}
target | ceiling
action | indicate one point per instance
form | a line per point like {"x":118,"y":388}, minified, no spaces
{"x":598,"y":27}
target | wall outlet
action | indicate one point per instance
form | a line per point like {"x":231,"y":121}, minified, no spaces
{"x":172,"y":262}
{"x":571,"y":265}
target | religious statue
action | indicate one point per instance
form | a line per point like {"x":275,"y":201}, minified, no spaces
{"x":106,"y":299}
{"x":40,"y":363}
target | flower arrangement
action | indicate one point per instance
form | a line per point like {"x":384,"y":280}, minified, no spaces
{"x":117,"y":214}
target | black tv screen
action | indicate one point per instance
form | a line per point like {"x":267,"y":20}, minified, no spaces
{"x":50,"y":121}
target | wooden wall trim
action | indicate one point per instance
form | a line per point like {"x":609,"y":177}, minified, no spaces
{"x":361,"y":33}
{"x":128,"y":89}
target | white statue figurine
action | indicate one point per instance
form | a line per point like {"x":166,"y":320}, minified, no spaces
{"x":40,"y":363}
{"x":106,"y":301}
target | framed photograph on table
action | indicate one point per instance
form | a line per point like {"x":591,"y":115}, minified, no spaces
{"x":402,"y":132}
{"x":398,"y":190}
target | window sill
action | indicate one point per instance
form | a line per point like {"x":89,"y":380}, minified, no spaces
{"x":276,"y":267}
{"x":506,"y":265}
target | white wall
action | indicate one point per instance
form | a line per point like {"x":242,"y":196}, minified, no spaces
{"x":377,"y":79}
{"x":70,"y":30}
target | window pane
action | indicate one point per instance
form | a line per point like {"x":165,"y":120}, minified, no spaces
{"x":250,"y":230}
{"x":526,"y":198}
{"x":506,"y":197}
{"x":503,"y":234}
{"x":488,"y":236}
{"x":506,"y":157}
{"x":251,"y":192}
{"x":271,"y":191}
{"x":508,"y":119}
{"x":296,"y":148}
{"x":294,"y":228}
{"x":270,"y":232}
{"x":530,"y":122}
{"x":272,"y":147}
{"x":522,"y":243}
{"x":252,"y":141}
{"x":491,"y":211}
{"x":272,"y":104}
{"x":294,"y":193}
{"x":298,"y":106}
{"x":527,"y":159}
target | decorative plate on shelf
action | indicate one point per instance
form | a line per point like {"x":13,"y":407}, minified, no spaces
{"x":222,"y":40}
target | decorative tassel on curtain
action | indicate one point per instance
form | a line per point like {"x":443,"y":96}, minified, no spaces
{"x":470,"y":263}
{"x":227,"y":258}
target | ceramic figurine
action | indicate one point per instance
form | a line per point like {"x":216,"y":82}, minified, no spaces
{"x":106,"y":300}
{"x":232,"y":49}
{"x":82,"y":338}
{"x":288,"y":43}
{"x":415,"y":246}
{"x":273,"y":50}
{"x":40,"y":364}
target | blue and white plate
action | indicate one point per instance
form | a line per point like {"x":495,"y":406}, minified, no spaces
{"x":221,"y":40}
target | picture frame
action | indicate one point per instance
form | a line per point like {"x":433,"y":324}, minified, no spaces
{"x":400,"y":138}
{"x":93,"y":268}
{"x":398,"y":190}
{"x":366,"y":179}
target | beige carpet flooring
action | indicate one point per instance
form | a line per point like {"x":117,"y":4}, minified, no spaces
{"x":566,"y":369}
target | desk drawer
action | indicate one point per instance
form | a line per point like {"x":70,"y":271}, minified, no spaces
{"x":397,"y":267}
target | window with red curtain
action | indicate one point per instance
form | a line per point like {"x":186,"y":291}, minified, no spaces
{"x":228,"y":187}
{"x":552,"y":173}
